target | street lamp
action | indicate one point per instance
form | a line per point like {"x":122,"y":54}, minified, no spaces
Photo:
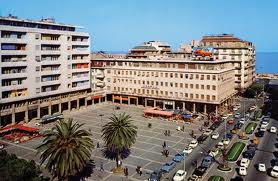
{"x":225,"y":124}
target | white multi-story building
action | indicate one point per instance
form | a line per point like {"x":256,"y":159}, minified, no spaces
{"x":150,"y":76}
{"x":40,"y":60}
{"x":240,"y":53}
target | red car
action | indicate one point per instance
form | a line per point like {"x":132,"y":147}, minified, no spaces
{"x":202,"y":52}
{"x":231,"y":121}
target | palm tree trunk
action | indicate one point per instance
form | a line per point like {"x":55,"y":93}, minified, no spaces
{"x":119,"y":163}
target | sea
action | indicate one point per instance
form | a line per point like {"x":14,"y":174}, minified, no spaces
{"x":267,"y":62}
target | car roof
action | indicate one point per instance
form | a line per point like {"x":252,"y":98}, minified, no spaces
{"x":180,"y":171}
{"x":244,"y":159}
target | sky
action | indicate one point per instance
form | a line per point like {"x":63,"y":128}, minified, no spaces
{"x":119,"y":25}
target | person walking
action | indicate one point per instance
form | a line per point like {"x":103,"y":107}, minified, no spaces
{"x":140,"y":171}
{"x":164,"y":144}
{"x":97,"y":144}
{"x":101,"y":167}
{"x":126,"y":172}
{"x":169,"y":134}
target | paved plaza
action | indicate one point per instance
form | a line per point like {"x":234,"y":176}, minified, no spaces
{"x":146,"y":152}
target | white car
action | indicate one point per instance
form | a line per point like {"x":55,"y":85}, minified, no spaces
{"x":193,"y":144}
{"x":225,"y":116}
{"x":242,"y":171}
{"x":214,"y":152}
{"x":261,"y":167}
{"x":188,"y":150}
{"x":226,"y":141}
{"x":238,"y":105}
{"x":262,"y":128}
{"x":229,"y":114}
{"x":215,"y":136}
{"x":264,"y":124}
{"x":273,"y":129}
{"x":180,"y":175}
{"x":274,"y":171}
{"x":244,"y":162}
{"x":235,"y":109}
{"x":242,"y":121}
{"x":247,"y":115}
{"x":220,"y":145}
{"x":207,"y":132}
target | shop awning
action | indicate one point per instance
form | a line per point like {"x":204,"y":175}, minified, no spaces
{"x":154,"y":111}
{"x":20,"y":127}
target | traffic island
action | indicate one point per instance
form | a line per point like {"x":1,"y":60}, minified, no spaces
{"x":250,"y":128}
{"x":216,"y":178}
{"x":235,"y":151}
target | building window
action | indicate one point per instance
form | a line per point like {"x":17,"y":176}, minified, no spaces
{"x":208,"y":87}
{"x":186,"y":95}
{"x":191,"y":86}
{"x":197,"y":76}
{"x":181,"y":85}
{"x":213,"y":87}
{"x":213,"y":98}
{"x":208,"y":97}
{"x":214,"y":77}
{"x":38,"y":79}
{"x":37,"y":36}
{"x":38,"y":90}
{"x":186,"y":85}
{"x":208,"y":77}
{"x":186,"y":76}
{"x":202,"y":96}
{"x":197,"y":86}
{"x":202,"y":77}
{"x":202,"y":87}
{"x":37,"y":68}
{"x":166,"y":84}
{"x":181,"y":76}
{"x":37,"y":47}
{"x":197,"y":96}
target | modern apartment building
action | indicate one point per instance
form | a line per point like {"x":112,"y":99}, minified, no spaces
{"x":41,"y":61}
{"x":241,"y":53}
{"x":152,"y":75}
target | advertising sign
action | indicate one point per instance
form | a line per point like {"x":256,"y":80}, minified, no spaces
{"x":202,"y":52}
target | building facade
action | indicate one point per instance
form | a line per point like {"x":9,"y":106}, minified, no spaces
{"x":150,"y":77}
{"x":40,"y":61}
{"x":241,"y":53}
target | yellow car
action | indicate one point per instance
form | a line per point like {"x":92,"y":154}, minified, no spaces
{"x":234,"y":131}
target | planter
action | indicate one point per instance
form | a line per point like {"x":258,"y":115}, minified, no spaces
{"x":235,"y":151}
{"x":250,"y":128}
{"x":224,"y":169}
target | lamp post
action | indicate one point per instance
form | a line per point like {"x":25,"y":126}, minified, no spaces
{"x":225,"y":124}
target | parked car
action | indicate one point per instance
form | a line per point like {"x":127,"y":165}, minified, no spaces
{"x":214,"y":126}
{"x":180,"y":175}
{"x":231,"y":121}
{"x":168,"y":166}
{"x":264,"y":124}
{"x":252,"y":146}
{"x":238,"y":125}
{"x":193,"y":144}
{"x":260,"y":133}
{"x":178,"y":157}
{"x":214,"y":152}
{"x":193,"y":178}
{"x":235,"y":108}
{"x":156,"y":175}
{"x":187,"y":150}
{"x":229,"y":136}
{"x":242,"y":171}
{"x":234,"y":130}
{"x":207,"y":132}
{"x":274,"y":172}
{"x":199,"y":172}
{"x":225,"y":117}
{"x":244,"y":162}
{"x":263,"y":129}
{"x":220,"y":145}
{"x":215,"y":135}
{"x":237,"y":115}
{"x":207,"y":161}
{"x":261,"y":167}
{"x":249,"y":154}
{"x":242,"y":121}
{"x":202,"y":138}
{"x":226,"y":141}
{"x":273,"y":129}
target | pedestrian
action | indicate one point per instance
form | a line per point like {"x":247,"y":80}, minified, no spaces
{"x":101,"y":167}
{"x":140,"y":171}
{"x":126,"y":172}
{"x":169,"y":133}
{"x":164,"y":144}
{"x":166,"y":153}
{"x":97,"y":144}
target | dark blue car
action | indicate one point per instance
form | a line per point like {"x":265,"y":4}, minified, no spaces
{"x":229,"y":135}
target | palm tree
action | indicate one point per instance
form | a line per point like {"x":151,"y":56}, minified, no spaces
{"x":119,"y":134}
{"x":66,"y":148}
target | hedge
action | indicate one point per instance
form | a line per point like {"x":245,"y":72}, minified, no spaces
{"x":216,"y":178}
{"x":250,"y":128}
{"x":235,"y":151}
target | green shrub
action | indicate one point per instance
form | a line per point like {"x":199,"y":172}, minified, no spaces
{"x":235,"y":151}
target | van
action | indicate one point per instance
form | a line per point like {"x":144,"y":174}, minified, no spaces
{"x":207,"y":161}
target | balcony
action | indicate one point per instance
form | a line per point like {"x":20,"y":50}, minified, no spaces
{"x":50,"y":72}
{"x":100,"y":75}
{"x":14,"y":64}
{"x":100,"y":84}
{"x":51,"y":82}
{"x":13,"y":87}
